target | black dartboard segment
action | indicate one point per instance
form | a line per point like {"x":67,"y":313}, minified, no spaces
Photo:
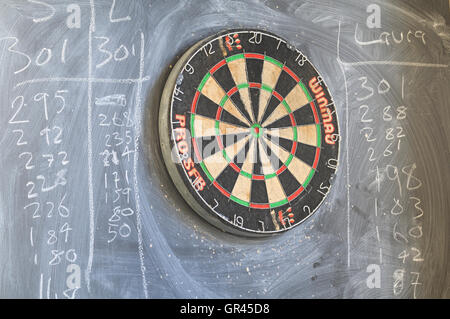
{"x":249,"y":132}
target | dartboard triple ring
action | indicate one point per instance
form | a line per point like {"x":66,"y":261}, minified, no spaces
{"x":249,"y":132}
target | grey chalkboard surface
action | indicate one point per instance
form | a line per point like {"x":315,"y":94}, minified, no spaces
{"x":87,"y":209}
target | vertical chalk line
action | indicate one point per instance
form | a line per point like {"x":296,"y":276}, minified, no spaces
{"x":90,"y":159}
{"x":41,"y":284}
{"x":31,"y":237}
{"x":48,"y":287}
{"x":137,"y":132}
{"x":346,"y":144}
{"x":403,"y":86}
{"x":376,"y":207}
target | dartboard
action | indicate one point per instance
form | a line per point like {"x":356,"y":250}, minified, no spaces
{"x":249,"y":132}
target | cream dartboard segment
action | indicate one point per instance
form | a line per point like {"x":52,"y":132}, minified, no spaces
{"x":249,"y":132}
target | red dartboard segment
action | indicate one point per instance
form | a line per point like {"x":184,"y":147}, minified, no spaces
{"x":277,"y":95}
{"x":255,"y":85}
{"x":194,"y":102}
{"x":235,"y":167}
{"x":316,"y":116}
{"x":258,"y":177}
{"x":221,"y":189}
{"x":316,"y":158}
{"x":258,"y":152}
{"x":218,"y":66}
{"x":292,"y":119}
{"x":296,"y":194}
{"x":254,"y":56}
{"x":294,"y":76}
{"x":294,"y":148}
{"x":219,"y":142}
{"x":281,"y":169}
{"x":259,"y":206}
{"x":232,"y":91}
{"x":219,"y":113}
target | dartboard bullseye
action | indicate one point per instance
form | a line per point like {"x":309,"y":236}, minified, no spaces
{"x":249,"y":132}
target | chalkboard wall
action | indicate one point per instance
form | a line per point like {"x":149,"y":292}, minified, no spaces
{"x":88,"y":210}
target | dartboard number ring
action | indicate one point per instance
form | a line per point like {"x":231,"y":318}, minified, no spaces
{"x":249,"y":132}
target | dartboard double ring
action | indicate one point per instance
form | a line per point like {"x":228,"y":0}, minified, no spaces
{"x":249,"y":132}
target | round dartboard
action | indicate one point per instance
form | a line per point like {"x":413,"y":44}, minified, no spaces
{"x":249,"y":132}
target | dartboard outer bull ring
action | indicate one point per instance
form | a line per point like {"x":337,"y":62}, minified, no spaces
{"x":249,"y":132}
